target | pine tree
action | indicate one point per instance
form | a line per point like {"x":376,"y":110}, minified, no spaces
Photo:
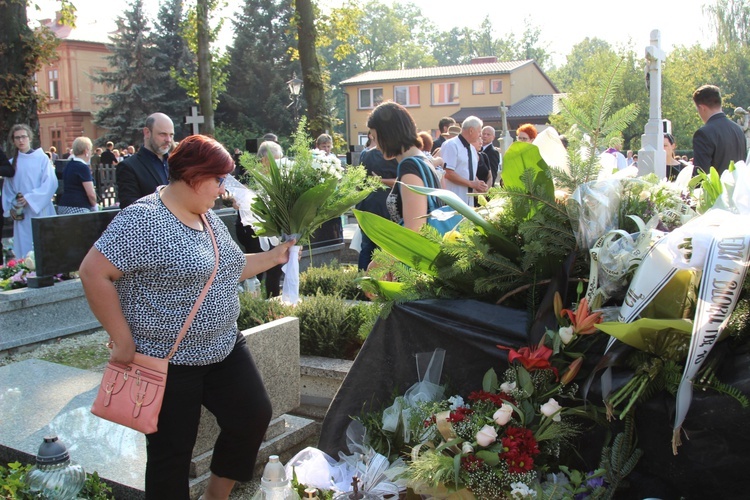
{"x":173,"y":57}
{"x":136,"y":88}
{"x":256,"y":96}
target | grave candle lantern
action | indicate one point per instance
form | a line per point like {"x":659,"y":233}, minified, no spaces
{"x":54,"y":476}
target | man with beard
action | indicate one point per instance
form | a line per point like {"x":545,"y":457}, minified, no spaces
{"x":139,"y":175}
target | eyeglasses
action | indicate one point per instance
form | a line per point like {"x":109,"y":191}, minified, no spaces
{"x":20,"y":137}
{"x":221,"y":180}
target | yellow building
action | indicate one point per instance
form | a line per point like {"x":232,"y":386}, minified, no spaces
{"x":71,"y":92}
{"x":458,"y":91}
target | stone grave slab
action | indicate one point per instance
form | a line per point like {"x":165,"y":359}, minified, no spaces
{"x":41,"y":398}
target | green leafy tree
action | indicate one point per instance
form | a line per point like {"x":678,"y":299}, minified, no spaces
{"x":530,"y":46}
{"x":312,"y":73}
{"x":685,"y":70}
{"x":589,"y":64}
{"x":136,"y":89}
{"x":23,"y":52}
{"x":731,"y":22}
{"x":256,"y":97}
{"x":200,"y":29}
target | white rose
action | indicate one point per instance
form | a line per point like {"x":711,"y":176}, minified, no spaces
{"x":467,"y":448}
{"x":566,"y":334}
{"x":486,"y":435}
{"x":503,"y":415}
{"x":508,"y":387}
{"x":520,"y":491}
{"x":551,"y":409}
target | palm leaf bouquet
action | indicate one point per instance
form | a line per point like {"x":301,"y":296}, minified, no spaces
{"x":295,"y":196}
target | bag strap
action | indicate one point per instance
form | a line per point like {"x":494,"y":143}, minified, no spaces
{"x":203,"y":294}
{"x":431,"y":204}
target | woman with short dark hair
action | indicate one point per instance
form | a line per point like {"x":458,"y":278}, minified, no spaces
{"x":394,"y":130}
{"x":142,"y":278}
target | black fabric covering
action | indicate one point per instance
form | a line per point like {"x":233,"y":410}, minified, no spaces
{"x":713,"y":461}
{"x":468,"y":331}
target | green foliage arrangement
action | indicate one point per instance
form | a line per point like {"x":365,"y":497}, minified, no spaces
{"x":255,"y":311}
{"x":332,"y":279}
{"x":330,"y":330}
{"x":296,"y":197}
{"x":13,"y":485}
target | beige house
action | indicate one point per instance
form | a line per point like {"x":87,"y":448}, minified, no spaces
{"x":71,"y":92}
{"x":459,"y":91}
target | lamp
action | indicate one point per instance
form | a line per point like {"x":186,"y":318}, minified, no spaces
{"x":295,"y":86}
{"x":53,"y":476}
{"x":295,"y":89}
{"x":274,"y":484}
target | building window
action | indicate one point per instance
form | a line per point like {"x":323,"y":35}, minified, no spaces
{"x":406,"y":95}
{"x":444,"y":93}
{"x":477,"y":87}
{"x":56,"y":140}
{"x":54,"y":91}
{"x":496,"y":86}
{"x":362,"y":139}
{"x":369,"y":98}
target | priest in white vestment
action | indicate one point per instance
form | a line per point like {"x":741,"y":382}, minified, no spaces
{"x":35,"y":180}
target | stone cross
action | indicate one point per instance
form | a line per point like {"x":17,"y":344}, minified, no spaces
{"x":194,"y":119}
{"x":505,"y":140}
{"x":652,"y":157}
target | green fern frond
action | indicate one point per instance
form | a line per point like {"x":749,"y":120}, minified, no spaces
{"x":708,"y":380}
{"x":620,"y":459}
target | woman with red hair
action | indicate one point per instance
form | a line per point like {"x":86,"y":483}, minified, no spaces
{"x":526,"y":133}
{"x":142,"y":278}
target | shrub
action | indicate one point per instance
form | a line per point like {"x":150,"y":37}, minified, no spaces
{"x":330,"y":327}
{"x":13,"y":484}
{"x":332,"y":279}
{"x":256,"y":311}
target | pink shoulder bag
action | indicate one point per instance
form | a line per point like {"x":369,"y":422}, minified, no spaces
{"x":131,"y":395}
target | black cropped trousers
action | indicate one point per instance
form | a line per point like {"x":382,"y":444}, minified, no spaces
{"x":232,"y":390}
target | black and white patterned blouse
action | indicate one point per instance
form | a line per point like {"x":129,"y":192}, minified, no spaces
{"x":165,"y":265}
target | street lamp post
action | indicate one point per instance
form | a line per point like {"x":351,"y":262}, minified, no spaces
{"x":295,"y":89}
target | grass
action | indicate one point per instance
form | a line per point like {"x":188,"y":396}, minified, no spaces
{"x":83,"y":357}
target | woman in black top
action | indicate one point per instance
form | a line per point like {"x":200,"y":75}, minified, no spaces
{"x":674,"y":164}
{"x":394,"y":130}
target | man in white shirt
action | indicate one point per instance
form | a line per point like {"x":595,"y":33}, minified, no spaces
{"x":461,"y":161}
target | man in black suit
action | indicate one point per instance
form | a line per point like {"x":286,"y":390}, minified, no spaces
{"x":720,"y":140}
{"x":443,"y":125}
{"x":140,"y":174}
{"x":493,"y":155}
{"x":107,"y":156}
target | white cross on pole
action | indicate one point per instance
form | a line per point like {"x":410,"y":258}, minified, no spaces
{"x":194,"y":119}
{"x":652,"y":157}
{"x":506,"y":139}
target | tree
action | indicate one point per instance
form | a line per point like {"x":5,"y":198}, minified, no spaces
{"x":136,"y":89}
{"x":312,"y":76}
{"x":23,"y":52}
{"x":731,"y":20}
{"x":205,"y":79}
{"x":256,"y":97}
{"x":173,"y":58}
{"x":205,"y":89}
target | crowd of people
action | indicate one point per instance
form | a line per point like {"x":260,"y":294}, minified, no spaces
{"x":166,"y":194}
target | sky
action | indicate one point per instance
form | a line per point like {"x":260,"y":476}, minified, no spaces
{"x":563,"y":23}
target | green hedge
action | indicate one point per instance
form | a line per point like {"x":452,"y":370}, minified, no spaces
{"x":332,"y":279}
{"x":329,"y":326}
